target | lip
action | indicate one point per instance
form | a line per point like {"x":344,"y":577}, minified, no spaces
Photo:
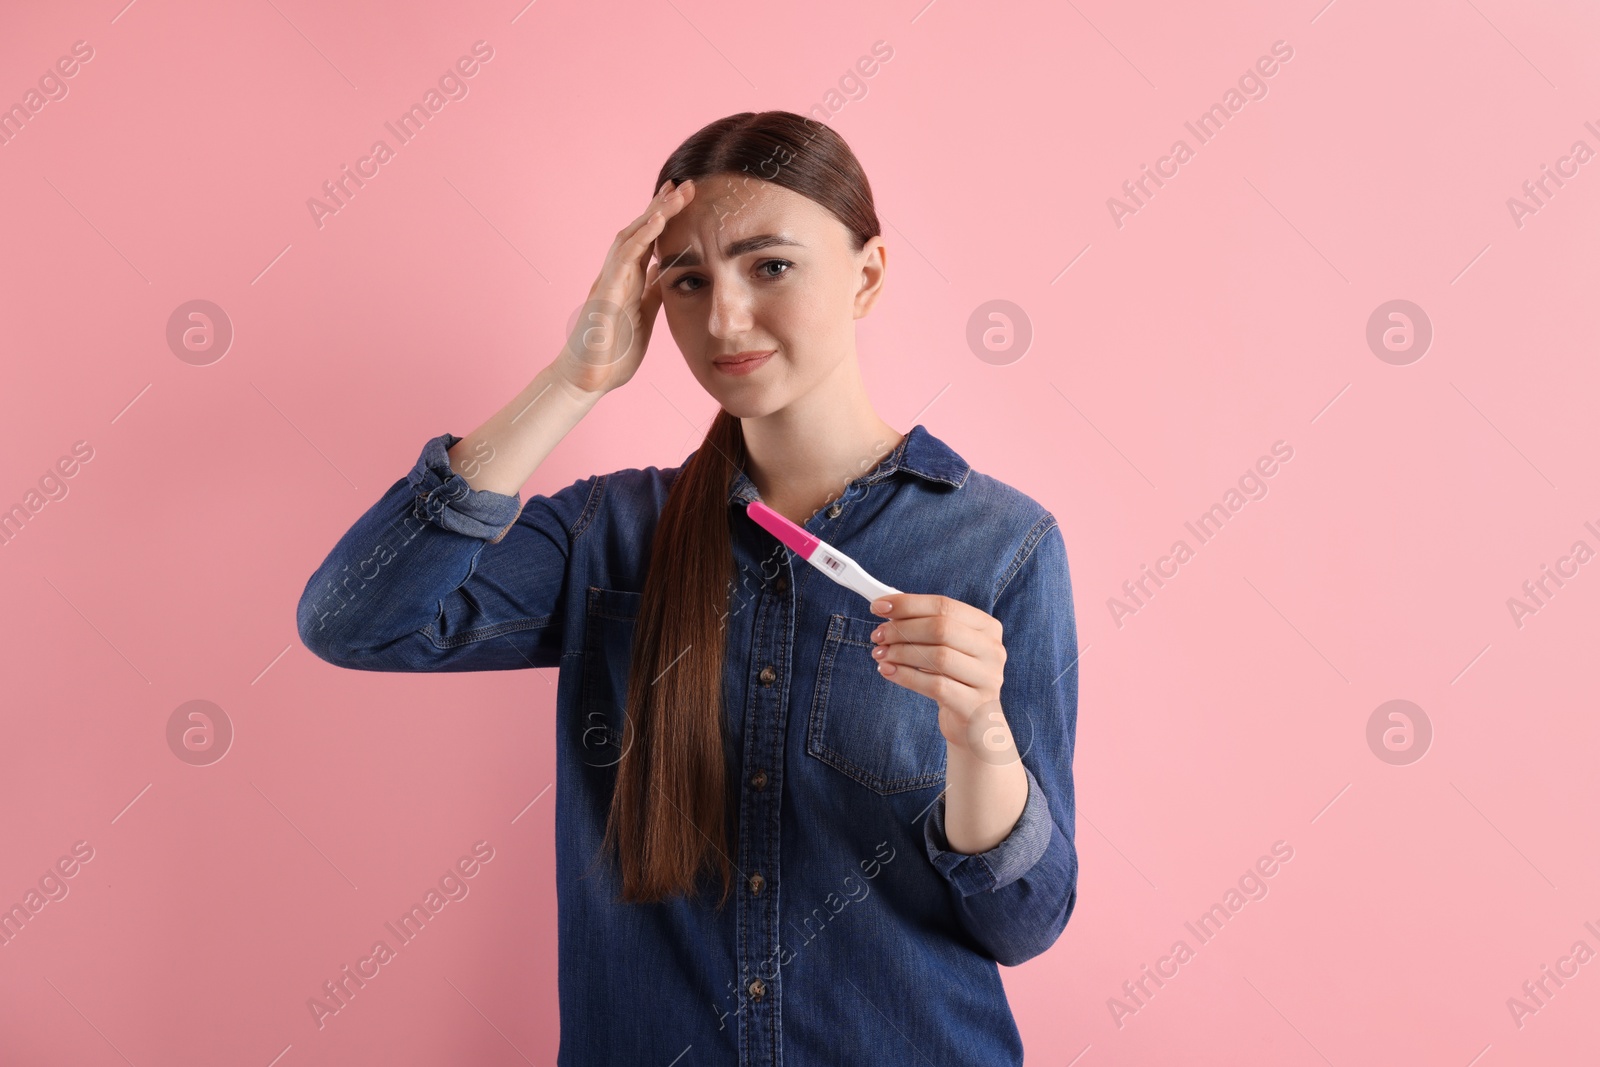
{"x":743,"y":363}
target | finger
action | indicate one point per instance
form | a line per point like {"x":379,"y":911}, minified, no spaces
{"x":657,"y":203}
{"x":669,"y":200}
{"x":636,"y":246}
{"x":650,"y":302}
{"x":671,"y":207}
{"x":639,"y":242}
{"x":936,"y":659}
{"x":936,"y":630}
{"x":915,"y":605}
{"x":942,"y":688}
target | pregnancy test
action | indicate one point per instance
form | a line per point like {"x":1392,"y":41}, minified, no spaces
{"x":821,"y":555}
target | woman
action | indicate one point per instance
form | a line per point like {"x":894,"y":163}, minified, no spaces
{"x":791,"y":826}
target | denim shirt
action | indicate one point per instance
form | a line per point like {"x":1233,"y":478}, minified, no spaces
{"x":855,"y":933}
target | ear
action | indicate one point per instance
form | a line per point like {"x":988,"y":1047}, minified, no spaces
{"x":873,"y":259}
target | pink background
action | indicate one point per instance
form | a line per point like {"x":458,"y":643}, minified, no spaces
{"x":1228,"y":313}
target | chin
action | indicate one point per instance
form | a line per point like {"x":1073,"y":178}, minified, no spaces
{"x":751,"y":405}
{"x":746,"y":400}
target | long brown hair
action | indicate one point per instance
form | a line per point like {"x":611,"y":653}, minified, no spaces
{"x":668,"y":813}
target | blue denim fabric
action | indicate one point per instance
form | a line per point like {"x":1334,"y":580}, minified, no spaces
{"x":855,"y":934}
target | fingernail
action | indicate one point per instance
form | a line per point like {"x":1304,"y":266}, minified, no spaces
{"x":880,"y":607}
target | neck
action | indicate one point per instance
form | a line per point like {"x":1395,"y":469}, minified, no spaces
{"x":802,"y":456}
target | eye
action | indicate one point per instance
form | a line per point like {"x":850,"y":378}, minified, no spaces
{"x":678,"y":286}
{"x":776,"y":262}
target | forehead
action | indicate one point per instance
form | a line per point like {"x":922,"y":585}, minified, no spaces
{"x":726,"y":194}
{"x":730,"y":211}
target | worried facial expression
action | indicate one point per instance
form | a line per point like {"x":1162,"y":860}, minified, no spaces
{"x":751,"y":267}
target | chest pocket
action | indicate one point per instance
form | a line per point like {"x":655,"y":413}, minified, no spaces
{"x":603,"y":690}
{"x":868,"y":727}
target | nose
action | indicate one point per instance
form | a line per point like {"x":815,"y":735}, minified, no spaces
{"x":730,"y":309}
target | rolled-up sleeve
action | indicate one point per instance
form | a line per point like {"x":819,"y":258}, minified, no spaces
{"x":1015,"y":898}
{"x":438,"y":576}
{"x":445,"y":498}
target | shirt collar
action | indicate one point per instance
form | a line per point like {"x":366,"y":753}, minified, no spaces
{"x":919,"y":453}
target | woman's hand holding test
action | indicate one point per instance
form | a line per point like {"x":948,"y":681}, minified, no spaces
{"x":953,"y":653}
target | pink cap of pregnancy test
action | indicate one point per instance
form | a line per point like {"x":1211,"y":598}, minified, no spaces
{"x":781,"y":528}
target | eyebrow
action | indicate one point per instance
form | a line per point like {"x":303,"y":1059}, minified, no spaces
{"x":690,"y":258}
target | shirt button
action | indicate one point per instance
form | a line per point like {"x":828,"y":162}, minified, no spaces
{"x":768,"y":674}
{"x":833,"y":512}
{"x":757,"y":883}
{"x":758,"y":989}
{"x":782,"y":584}
{"x":759,"y":780}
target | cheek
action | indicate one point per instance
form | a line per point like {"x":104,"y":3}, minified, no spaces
{"x":688,"y":332}
{"x":683,"y":317}
{"x":807,"y":309}
{"x":823,"y":316}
